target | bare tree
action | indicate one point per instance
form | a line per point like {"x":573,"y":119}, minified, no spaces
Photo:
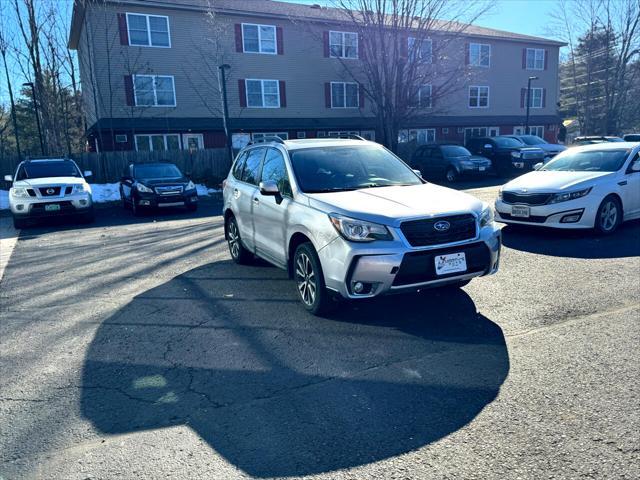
{"x":4,"y":47}
{"x":403,"y":46}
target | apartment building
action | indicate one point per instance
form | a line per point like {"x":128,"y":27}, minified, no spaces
{"x":150,"y":76}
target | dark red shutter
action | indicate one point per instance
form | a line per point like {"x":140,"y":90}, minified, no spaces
{"x":546,"y":59}
{"x":239,"y":38}
{"x":128,"y":90}
{"x":122,"y":27}
{"x":242,"y":92}
{"x":404,"y":47}
{"x":361,"y":51}
{"x":325,"y":40}
{"x":434,"y":49}
{"x":361,"y":99}
{"x":327,"y":95}
{"x":544,"y":97}
{"x":523,"y":94}
{"x":283,"y":94}
{"x":433,"y":96}
{"x":279,"y":40}
{"x":467,"y":48}
{"x":524,"y":58}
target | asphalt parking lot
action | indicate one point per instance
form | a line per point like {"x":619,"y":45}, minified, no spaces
{"x":135,"y":348}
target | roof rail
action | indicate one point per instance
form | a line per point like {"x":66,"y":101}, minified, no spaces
{"x":274,"y":138}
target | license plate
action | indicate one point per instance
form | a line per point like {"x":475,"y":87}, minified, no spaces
{"x":520,"y":211}
{"x":482,"y":169}
{"x":451,"y":263}
{"x":54,"y":207}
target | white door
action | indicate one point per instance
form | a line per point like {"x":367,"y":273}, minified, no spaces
{"x":494,"y":131}
{"x":630,"y":190}
{"x":192,"y":141}
{"x":518,"y":130}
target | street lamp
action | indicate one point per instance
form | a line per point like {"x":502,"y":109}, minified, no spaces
{"x":526,"y":123}
{"x":35,"y":107}
{"x":225,"y":107}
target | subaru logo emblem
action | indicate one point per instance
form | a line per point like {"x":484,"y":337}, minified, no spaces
{"x":441,"y":226}
{"x":50,"y":191}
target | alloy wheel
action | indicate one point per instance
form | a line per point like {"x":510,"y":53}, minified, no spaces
{"x":609,"y":216}
{"x":234,"y":239}
{"x":306,"y":279}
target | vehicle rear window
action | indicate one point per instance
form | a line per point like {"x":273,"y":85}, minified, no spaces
{"x":47,"y":169}
{"x":532,"y":139}
{"x":505,"y":142}
{"x":152,"y":172}
{"x":454,"y":151}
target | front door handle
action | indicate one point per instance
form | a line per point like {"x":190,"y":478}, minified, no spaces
{"x":256,"y":200}
{"x":622,"y":183}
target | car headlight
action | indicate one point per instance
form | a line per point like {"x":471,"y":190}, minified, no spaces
{"x":359,"y":230}
{"x":143,"y":188}
{"x":486,"y":217}
{"x":566,"y":196}
{"x":516,"y":154}
{"x":19,"y":192}
{"x":190,"y":185}
{"x":79,"y":188}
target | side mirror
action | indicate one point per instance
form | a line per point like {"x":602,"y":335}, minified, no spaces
{"x":635,"y":166}
{"x":8,"y":178}
{"x":488,"y":146}
{"x":417,"y":172}
{"x":88,"y":173}
{"x":538,"y":166}
{"x":269,"y":188}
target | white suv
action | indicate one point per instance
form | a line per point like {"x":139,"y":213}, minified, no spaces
{"x":349,"y":218}
{"x":49,"y":187}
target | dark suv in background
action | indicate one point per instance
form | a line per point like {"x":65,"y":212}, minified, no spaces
{"x":448,"y":161}
{"x":508,"y":155}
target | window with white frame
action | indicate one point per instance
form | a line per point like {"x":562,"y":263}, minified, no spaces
{"x":478,"y":96}
{"x":424,"y":96}
{"x":421,"y":136}
{"x":535,"y":59}
{"x":479,"y":54}
{"x":154,"y":90}
{"x":343,"y":44}
{"x":342,"y":133}
{"x":536,"y":98}
{"x":263,"y":93}
{"x":148,"y":30}
{"x":537,"y":130}
{"x":157,"y":142}
{"x":345,"y":95}
{"x":263,"y":135}
{"x":420,"y":49}
{"x":259,"y":38}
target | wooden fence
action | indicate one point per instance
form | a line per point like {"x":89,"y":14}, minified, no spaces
{"x":208,"y":166}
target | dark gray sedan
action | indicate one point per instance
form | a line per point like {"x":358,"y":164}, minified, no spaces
{"x":448,"y":161}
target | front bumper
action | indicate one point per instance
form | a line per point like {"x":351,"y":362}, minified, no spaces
{"x":393,"y":267}
{"x":32,"y":207}
{"x":155,"y":200}
{"x":554,"y":215}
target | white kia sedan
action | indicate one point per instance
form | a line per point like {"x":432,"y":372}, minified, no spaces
{"x":593,"y":186}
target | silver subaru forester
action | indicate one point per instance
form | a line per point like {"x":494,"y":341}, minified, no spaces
{"x":347,"y":218}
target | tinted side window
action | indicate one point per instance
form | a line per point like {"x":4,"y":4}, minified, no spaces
{"x":239,"y":165}
{"x":251,"y":172}
{"x":275,"y":169}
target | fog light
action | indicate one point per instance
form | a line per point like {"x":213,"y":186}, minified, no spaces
{"x":83,"y":202}
{"x":571,"y":218}
{"x":19,"y":207}
{"x":358,"y":287}
{"x":145,"y":202}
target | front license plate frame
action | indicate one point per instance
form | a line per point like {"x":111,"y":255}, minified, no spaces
{"x":52,"y":207}
{"x":520,"y":211}
{"x":450,"y":263}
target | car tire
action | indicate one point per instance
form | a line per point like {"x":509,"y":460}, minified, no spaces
{"x":88,"y":217}
{"x":307,"y":273}
{"x":451,"y":175}
{"x":125,"y":205}
{"x":238,"y":253}
{"x":19,"y":223}
{"x":609,"y":216}
{"x":135,"y":209}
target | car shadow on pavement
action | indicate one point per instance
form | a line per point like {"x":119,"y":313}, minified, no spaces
{"x":228,"y":351}
{"x":625,"y":242}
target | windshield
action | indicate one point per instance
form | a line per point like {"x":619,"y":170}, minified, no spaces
{"x":48,"y":169}
{"x":505,"y":142}
{"x":155,"y":172}
{"x":590,"y":161}
{"x":532,"y":139}
{"x":455,"y":151}
{"x":330,"y":169}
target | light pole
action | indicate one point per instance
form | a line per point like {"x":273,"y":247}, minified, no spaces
{"x":35,"y":107}
{"x":526,"y":123}
{"x":225,"y":107}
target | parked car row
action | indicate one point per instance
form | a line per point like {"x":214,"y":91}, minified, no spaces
{"x":348,"y":219}
{"x":56,"y":187}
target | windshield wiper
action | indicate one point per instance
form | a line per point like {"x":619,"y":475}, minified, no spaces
{"x":327,"y":190}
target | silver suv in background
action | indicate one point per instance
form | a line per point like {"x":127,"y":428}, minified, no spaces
{"x":49,"y":187}
{"x":349,"y":218}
